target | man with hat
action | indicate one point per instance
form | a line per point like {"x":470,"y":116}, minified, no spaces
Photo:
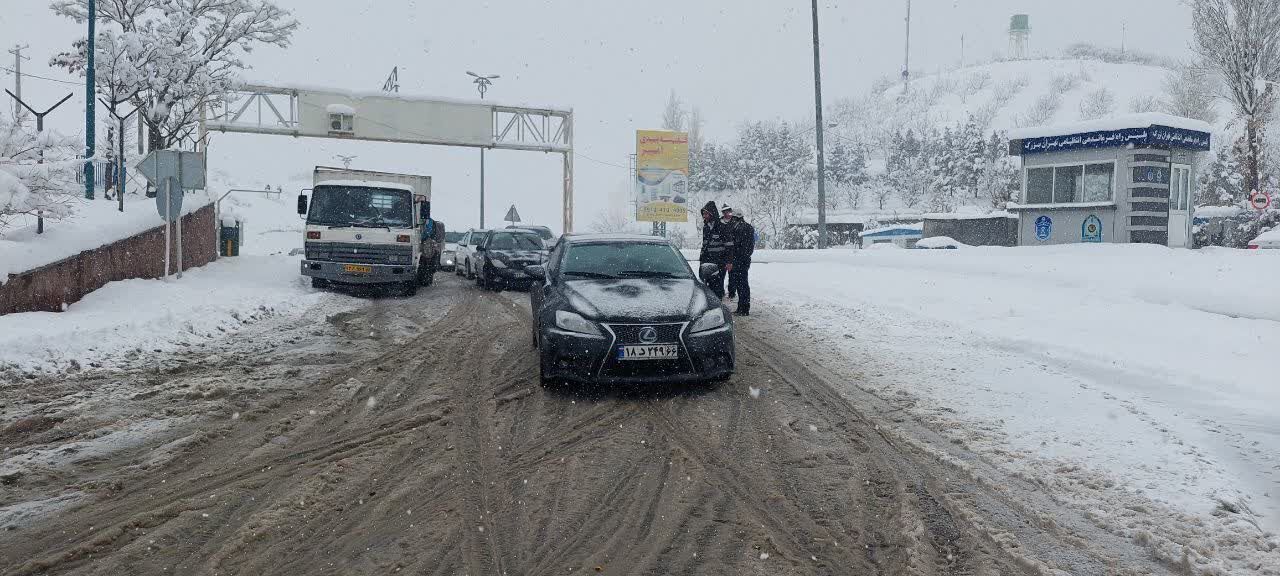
{"x":717,"y":247}
{"x":744,"y":245}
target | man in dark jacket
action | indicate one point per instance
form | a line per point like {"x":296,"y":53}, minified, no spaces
{"x":744,"y":245}
{"x":717,"y":247}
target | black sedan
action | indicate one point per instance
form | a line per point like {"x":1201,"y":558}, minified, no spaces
{"x":629,"y":310}
{"x":501,"y":258}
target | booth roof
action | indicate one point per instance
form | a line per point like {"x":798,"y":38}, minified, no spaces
{"x":1121,"y":122}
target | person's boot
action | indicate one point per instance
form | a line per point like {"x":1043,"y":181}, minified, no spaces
{"x":742,"y":311}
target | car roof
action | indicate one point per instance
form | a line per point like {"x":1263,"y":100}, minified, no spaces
{"x":615,"y":238}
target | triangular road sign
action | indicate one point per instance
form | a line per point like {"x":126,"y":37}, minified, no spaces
{"x":512,"y":215}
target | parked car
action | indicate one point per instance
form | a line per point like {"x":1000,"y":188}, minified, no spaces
{"x":548,"y":237}
{"x":1266,"y":241}
{"x":627,"y":309}
{"x":502,"y":256}
{"x":465,"y":253}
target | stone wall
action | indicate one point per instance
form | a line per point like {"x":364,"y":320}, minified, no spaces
{"x":51,"y":288}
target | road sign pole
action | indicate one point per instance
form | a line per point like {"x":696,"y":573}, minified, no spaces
{"x":179,"y":233}
{"x":168,"y":240}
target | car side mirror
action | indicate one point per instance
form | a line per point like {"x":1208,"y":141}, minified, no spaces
{"x":424,"y":210}
{"x":302,"y":204}
{"x":707,"y":272}
{"x":536,"y":272}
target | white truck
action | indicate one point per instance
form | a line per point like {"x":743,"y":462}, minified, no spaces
{"x":370,"y":228}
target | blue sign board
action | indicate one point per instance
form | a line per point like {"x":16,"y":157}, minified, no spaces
{"x":1091,"y":230}
{"x":1138,"y":137}
{"x":1044,"y":228}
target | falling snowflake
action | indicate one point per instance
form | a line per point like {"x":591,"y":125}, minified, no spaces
{"x":371,"y":402}
{"x":764,"y":555}
{"x":755,"y":392}
{"x":235,"y":415}
{"x":813,"y":428}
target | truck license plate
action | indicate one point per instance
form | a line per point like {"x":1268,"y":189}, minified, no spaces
{"x":358,"y":269}
{"x":649,"y":352}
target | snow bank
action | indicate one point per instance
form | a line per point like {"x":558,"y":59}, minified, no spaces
{"x":1218,"y":211}
{"x":340,"y":109}
{"x":94,"y":223}
{"x":1140,"y":362}
{"x":127,"y":319}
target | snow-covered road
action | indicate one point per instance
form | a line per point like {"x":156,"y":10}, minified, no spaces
{"x":1108,"y":372}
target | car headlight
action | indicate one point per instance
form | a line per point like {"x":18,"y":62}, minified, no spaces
{"x":570,"y":322}
{"x":713,"y":319}
{"x":498,"y":263}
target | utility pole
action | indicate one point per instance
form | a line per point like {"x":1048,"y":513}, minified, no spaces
{"x":120,"y":163}
{"x":39,"y":128}
{"x":822,"y":168}
{"x":17,"y":77}
{"x":906,"y":66}
{"x":482,"y":85}
{"x":89,"y":117}
{"x":1124,"y":37}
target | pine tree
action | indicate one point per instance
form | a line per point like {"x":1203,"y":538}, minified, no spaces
{"x":37,"y":172}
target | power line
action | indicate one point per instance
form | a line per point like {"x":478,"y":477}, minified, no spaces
{"x":602,"y":162}
{"x":27,"y":75}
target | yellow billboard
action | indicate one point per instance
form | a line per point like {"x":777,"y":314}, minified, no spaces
{"x":662,"y":176}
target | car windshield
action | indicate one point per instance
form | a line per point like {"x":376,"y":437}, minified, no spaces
{"x":543,"y":233}
{"x":454,"y":237}
{"x":360,"y":206}
{"x":624,"y":260}
{"x":515,"y":241}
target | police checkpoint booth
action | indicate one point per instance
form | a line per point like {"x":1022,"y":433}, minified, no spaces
{"x":1127,"y":179}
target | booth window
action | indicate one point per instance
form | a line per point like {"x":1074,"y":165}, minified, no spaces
{"x":1071,"y":184}
{"x":343,"y":123}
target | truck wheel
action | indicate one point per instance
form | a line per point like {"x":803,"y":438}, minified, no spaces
{"x":409,"y":289}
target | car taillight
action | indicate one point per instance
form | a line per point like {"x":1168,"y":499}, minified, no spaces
{"x":1252,"y":247}
{"x":313,"y":235}
{"x":402,"y":238}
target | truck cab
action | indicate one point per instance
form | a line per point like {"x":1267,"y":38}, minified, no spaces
{"x":369,"y":228}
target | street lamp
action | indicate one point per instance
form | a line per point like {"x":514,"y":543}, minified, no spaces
{"x":822,"y":168}
{"x":482,"y":85}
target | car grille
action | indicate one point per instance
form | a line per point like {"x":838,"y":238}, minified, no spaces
{"x":630,"y":333}
{"x":361,"y":253}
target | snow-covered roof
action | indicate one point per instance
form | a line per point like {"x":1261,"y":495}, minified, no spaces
{"x":969,"y":215}
{"x":406,"y":96}
{"x":1119,"y":122}
{"x":340,"y":109}
{"x":842,"y":217}
{"x":368,"y":184}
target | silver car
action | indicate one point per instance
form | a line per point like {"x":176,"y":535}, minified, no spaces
{"x":464,"y":255}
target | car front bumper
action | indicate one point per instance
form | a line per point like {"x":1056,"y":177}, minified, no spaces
{"x":378,"y":273}
{"x":577,"y":358}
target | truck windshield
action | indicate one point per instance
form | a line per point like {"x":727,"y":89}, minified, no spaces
{"x":359,"y":206}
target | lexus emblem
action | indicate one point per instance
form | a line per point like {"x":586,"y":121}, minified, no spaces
{"x":648,"y":335}
{"x":359,"y":236}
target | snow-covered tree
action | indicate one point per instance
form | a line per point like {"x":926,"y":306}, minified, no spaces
{"x":675,"y":114}
{"x":173,"y":58}
{"x":1098,"y":104}
{"x":1222,"y":181}
{"x":1043,"y":111}
{"x":37,"y":172}
{"x":846,"y":168}
{"x":1240,"y":40}
{"x":615,"y":220}
{"x":1190,"y":91}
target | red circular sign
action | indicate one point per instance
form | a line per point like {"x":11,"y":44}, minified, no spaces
{"x":1260,"y":201}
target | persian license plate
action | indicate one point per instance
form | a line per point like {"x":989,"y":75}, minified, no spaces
{"x":649,"y":352}
{"x":358,"y":269}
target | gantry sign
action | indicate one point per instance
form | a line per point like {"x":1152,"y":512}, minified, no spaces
{"x":387,"y":117}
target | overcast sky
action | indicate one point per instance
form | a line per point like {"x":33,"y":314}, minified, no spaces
{"x":613,"y":62}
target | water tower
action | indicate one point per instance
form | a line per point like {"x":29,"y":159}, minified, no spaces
{"x":1019,"y":36}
